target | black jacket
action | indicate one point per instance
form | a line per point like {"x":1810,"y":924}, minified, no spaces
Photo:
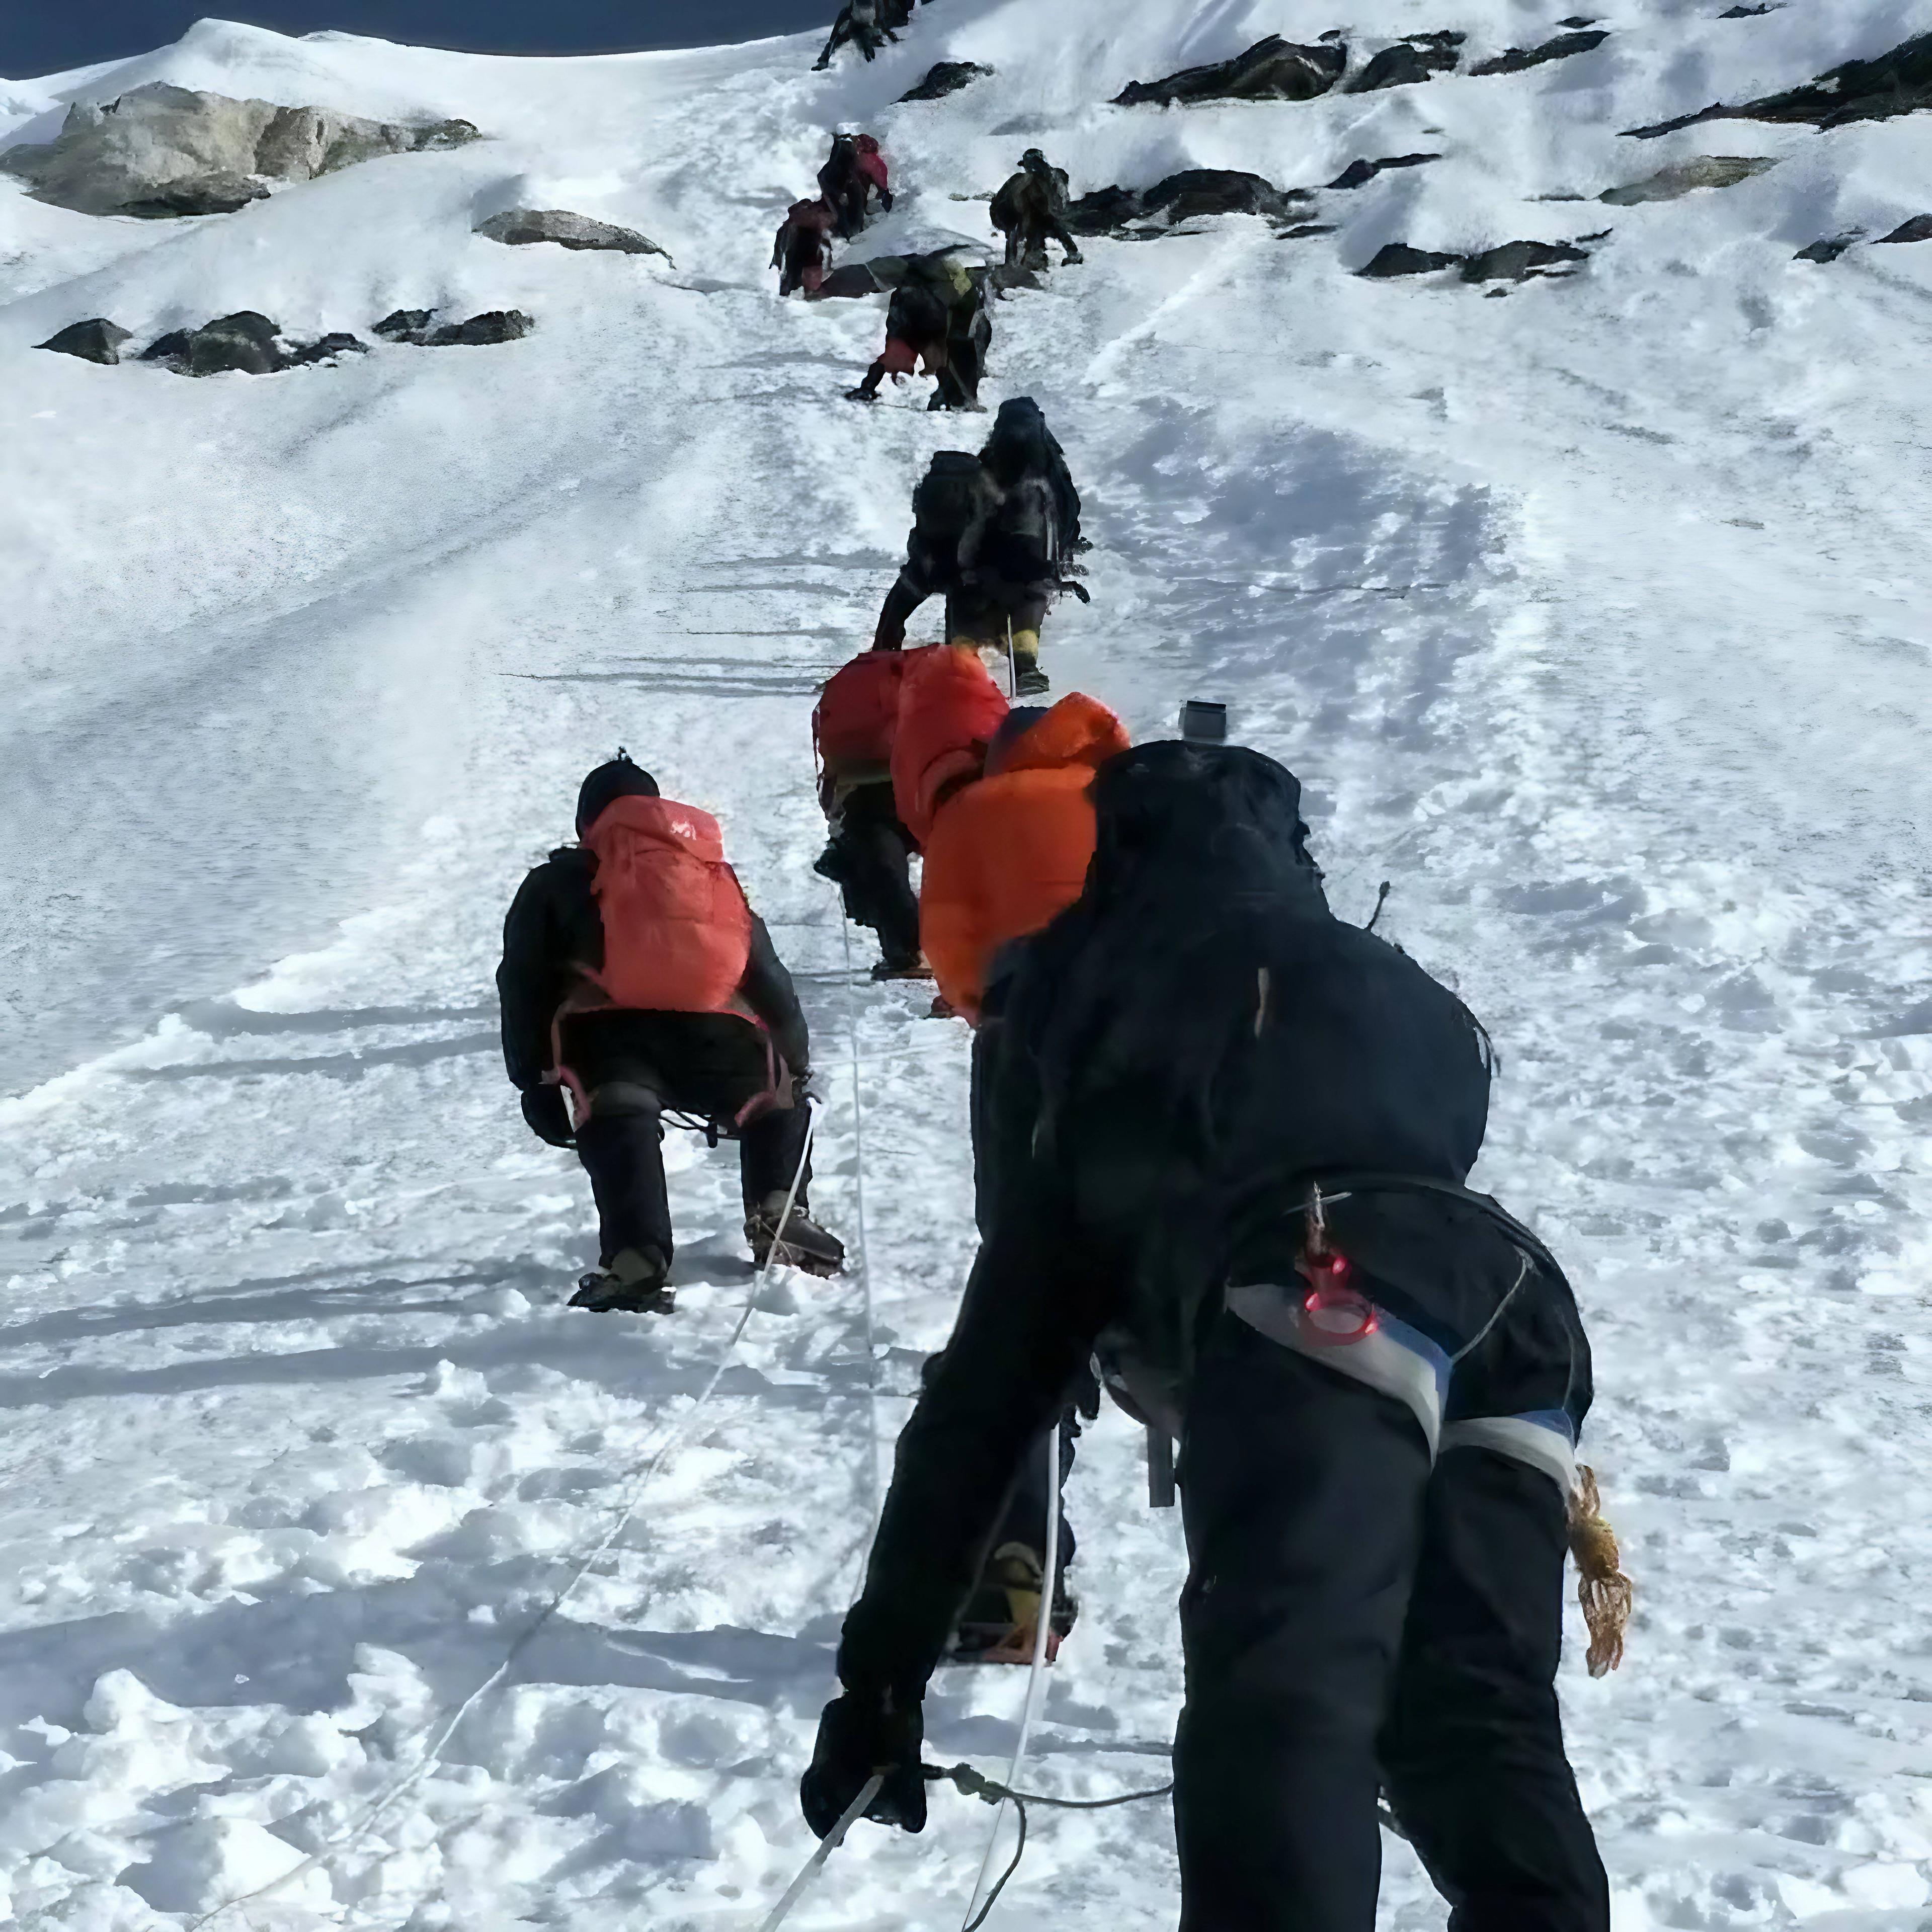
{"x":553,"y":930}
{"x":1183,"y":1050}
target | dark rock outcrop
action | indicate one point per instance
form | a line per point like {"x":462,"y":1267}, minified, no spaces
{"x":97,"y":340}
{"x":519,"y":227}
{"x":1519,"y":261}
{"x":1683,"y":178}
{"x":1192,"y":192}
{"x":850,"y":279}
{"x":1271,"y":69}
{"x":1398,"y":258}
{"x":1357,"y":173}
{"x":171,"y":347}
{"x":1510,"y":261}
{"x":330,"y":347}
{"x":948,"y":77}
{"x":1748,"y":12}
{"x":495,"y":324}
{"x":1562,"y":48}
{"x":1918,"y":228}
{"x":404,"y":325}
{"x":247,"y":342}
{"x":163,"y":152}
{"x":1830,"y":249}
{"x":1898,"y":82}
{"x":1409,"y":60}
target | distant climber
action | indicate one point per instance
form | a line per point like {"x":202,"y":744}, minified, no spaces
{"x":937,"y":318}
{"x":803,"y":251}
{"x":636,"y":979}
{"x":868,"y":851}
{"x":994,"y":554}
{"x":1228,"y":1135}
{"x":853,"y":173}
{"x":1022,"y":446}
{"x":1029,"y":209}
{"x":867,"y":24}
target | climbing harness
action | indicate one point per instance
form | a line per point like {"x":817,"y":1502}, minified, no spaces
{"x":432,"y":1755}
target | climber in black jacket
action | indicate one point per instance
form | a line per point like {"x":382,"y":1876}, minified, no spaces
{"x":1231,"y":1131}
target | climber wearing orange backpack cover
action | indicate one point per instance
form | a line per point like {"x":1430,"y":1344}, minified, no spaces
{"x":636,"y":980}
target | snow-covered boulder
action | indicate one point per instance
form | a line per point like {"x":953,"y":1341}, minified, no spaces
{"x":97,"y":340}
{"x":1179,"y":197}
{"x":947,"y":77}
{"x":520,"y":226}
{"x":164,"y":151}
{"x":1683,"y":178}
{"x":1407,"y":61}
{"x":1271,"y":69}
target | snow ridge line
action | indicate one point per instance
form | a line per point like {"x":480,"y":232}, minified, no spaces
{"x":432,"y":1755}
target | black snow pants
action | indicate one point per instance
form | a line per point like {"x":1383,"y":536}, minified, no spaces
{"x":1354,"y":1621}
{"x":873,"y":853}
{"x":634,"y":1066}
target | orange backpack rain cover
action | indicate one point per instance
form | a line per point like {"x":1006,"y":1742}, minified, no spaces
{"x":858,"y":710}
{"x":677,"y":931}
{"x":948,"y":710}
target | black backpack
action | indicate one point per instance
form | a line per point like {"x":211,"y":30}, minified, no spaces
{"x":952,"y":498}
{"x":1023,"y":544}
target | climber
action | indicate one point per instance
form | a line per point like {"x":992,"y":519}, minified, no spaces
{"x":1029,"y":209}
{"x":1020,"y":446}
{"x":992,"y":553}
{"x":1230,"y":1135}
{"x":853,"y":172}
{"x":635,"y":977}
{"x":803,"y":249}
{"x":867,"y":24}
{"x":868,"y":848}
{"x":937,"y":318}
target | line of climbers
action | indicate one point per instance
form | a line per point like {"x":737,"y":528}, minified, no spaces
{"x":854,"y":175}
{"x":1220,"y":1141}
{"x":867,"y":24}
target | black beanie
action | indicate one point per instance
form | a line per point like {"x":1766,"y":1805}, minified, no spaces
{"x":620,"y":778}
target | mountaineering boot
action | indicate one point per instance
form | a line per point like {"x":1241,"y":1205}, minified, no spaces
{"x":861,"y":394}
{"x":633,"y":1284}
{"x":1029,"y":680}
{"x":1001,"y":1620}
{"x":914,"y":968}
{"x":805,"y":1245}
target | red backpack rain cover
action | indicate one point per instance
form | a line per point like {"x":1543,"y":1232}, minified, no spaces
{"x":859,"y":710}
{"x":949,"y":711}
{"x":677,"y":931}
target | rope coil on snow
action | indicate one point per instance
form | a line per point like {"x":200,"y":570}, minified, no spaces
{"x":356,"y":1832}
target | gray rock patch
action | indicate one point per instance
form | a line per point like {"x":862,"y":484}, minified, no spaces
{"x":97,"y":340}
{"x":520,"y":227}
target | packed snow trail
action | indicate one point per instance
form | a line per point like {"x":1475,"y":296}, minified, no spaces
{"x":1594,"y":617}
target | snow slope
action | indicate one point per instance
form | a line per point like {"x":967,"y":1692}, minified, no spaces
{"x":1594,"y":617}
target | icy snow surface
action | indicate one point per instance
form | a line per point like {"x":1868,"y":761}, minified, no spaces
{"x":1594,"y":617}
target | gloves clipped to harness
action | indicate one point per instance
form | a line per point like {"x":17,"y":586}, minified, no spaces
{"x":547,"y":1115}
{"x":859,"y":1734}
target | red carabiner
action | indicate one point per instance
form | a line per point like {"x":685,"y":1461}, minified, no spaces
{"x":1333,"y":1313}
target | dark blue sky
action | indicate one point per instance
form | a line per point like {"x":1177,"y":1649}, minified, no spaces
{"x":39,"y":37}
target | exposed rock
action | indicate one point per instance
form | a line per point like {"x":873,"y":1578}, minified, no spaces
{"x":1562,"y":48}
{"x":1194,"y":191}
{"x":1358,"y":173}
{"x":1683,"y":178}
{"x":1407,"y":61}
{"x":1898,"y":83}
{"x":1918,"y":228}
{"x":1398,"y":258}
{"x":404,"y":325}
{"x":195,"y":194}
{"x":948,"y":77}
{"x":331,"y":346}
{"x":1829,"y":250}
{"x":171,"y":347}
{"x":1747,"y":13}
{"x":162,"y":151}
{"x":1271,"y":69}
{"x":496,"y":325}
{"x":850,"y":279}
{"x":246,"y":342}
{"x":98,"y":340}
{"x":520,"y":226}
{"x":1511,"y":261}
{"x":1518,"y":261}
{"x":1302,"y":229}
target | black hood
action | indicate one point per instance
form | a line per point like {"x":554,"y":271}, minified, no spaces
{"x":620,"y":778}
